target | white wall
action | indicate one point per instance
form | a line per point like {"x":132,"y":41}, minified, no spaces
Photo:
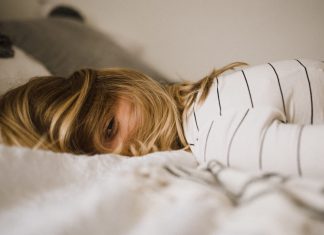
{"x":187,"y":38}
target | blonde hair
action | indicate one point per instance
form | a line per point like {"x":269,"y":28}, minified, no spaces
{"x":72,"y":114}
{"x":186,"y":93}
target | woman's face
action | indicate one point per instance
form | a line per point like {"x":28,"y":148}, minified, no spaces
{"x":121,"y":125}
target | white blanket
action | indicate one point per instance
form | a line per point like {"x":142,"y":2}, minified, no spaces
{"x":162,"y":193}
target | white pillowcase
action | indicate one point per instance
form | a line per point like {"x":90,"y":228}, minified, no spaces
{"x":18,"y":70}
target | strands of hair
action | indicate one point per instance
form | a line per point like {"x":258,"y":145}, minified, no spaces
{"x":72,"y":114}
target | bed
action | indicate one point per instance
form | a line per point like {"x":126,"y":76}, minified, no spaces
{"x":161,"y":193}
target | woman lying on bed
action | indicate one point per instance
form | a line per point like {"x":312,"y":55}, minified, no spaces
{"x":261,"y":117}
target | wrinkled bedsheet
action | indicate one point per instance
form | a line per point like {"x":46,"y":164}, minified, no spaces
{"x":161,"y":193}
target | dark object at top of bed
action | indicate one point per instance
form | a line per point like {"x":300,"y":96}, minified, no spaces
{"x":64,"y":45}
{"x":6,"y":50}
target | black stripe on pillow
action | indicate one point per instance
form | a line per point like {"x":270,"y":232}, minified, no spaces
{"x":194,"y":112}
{"x":219,"y":103}
{"x":310,"y":90}
{"x":232,"y":138}
{"x":281,"y":93}
{"x":247,"y":85}
{"x":210,"y":127}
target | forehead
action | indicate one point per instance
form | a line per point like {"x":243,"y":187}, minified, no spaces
{"x":123,"y":105}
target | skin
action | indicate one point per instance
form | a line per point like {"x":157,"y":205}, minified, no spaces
{"x":124,"y":123}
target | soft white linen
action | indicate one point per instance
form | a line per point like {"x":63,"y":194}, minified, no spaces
{"x":162,"y":193}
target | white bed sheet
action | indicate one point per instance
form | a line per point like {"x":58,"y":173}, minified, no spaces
{"x":162,"y":193}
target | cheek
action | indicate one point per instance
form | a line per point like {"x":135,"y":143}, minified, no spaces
{"x":127,"y":122}
{"x":137,"y":122}
{"x":132,"y":122}
{"x":116,"y":142}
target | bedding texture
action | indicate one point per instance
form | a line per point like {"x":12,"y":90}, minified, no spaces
{"x":268,"y":117}
{"x":64,"y":45}
{"x":162,"y":193}
{"x":19,"y":69}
